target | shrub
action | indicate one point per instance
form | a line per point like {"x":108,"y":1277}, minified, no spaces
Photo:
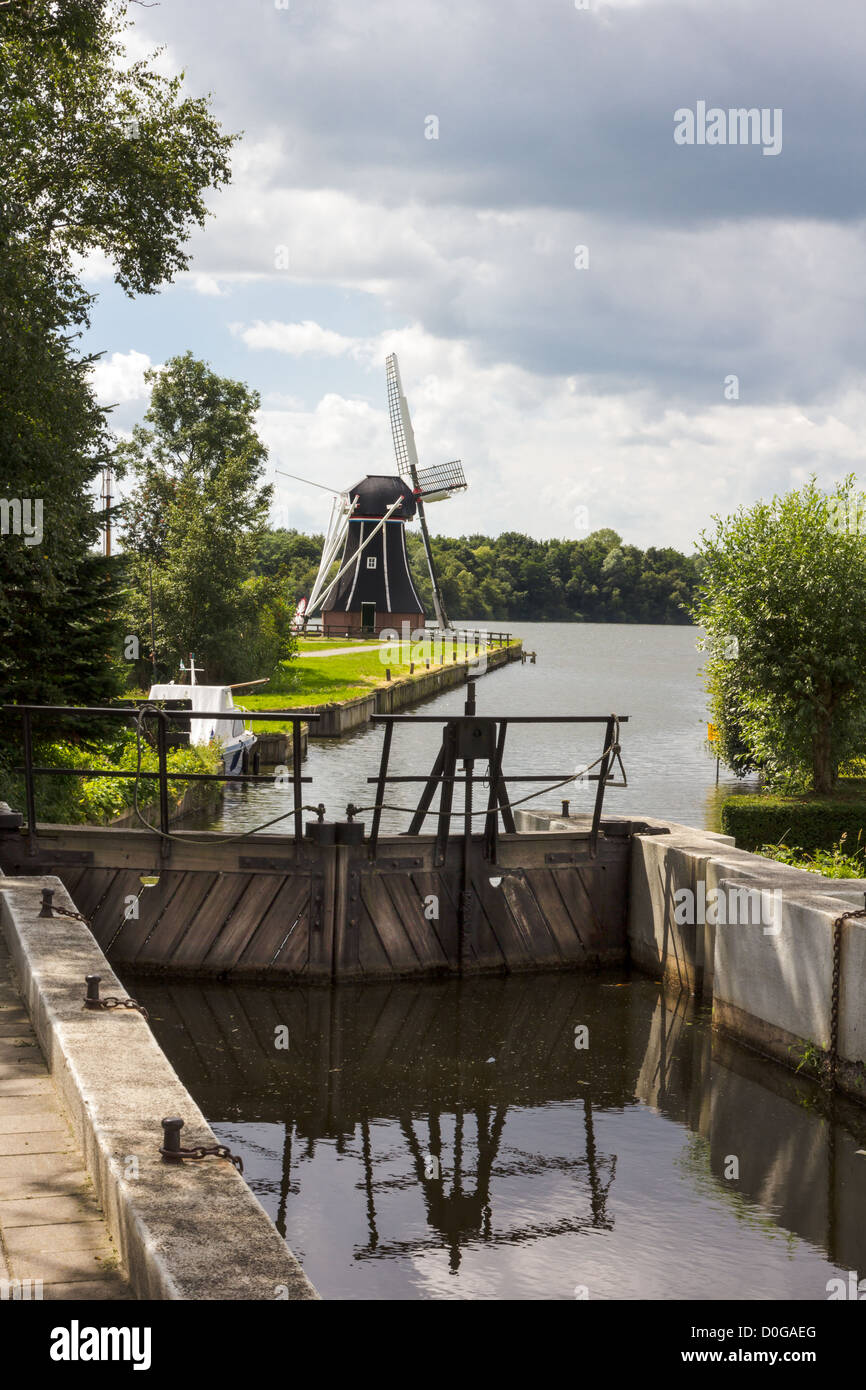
{"x":810,"y":823}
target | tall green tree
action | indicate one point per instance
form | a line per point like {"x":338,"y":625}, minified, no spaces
{"x":781,"y":601}
{"x":193,"y":522}
{"x":99,"y":154}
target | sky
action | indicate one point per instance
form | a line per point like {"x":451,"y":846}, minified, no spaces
{"x":610,"y":326}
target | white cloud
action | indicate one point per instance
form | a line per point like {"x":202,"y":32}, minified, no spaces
{"x":121,"y":378}
{"x":206,"y":284}
{"x":535,"y":448}
{"x":297,"y":339}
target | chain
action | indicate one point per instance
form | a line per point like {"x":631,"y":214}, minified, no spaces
{"x":65,"y":912}
{"x":835,"y":991}
{"x":112,"y":1002}
{"x":203,"y":1151}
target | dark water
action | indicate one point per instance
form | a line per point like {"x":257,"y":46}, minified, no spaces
{"x":559,"y":1170}
{"x":649,"y":673}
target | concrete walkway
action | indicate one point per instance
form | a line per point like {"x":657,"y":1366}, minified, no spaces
{"x":51,"y":1228}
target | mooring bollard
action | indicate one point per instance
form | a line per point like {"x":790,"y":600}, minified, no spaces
{"x":47,"y":908}
{"x":565,"y":810}
{"x":91,"y":999}
{"x":171,"y":1140}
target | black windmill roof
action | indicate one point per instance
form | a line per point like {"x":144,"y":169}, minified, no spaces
{"x":376,"y":493}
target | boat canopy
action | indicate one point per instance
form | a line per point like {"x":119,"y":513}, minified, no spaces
{"x":213,"y":699}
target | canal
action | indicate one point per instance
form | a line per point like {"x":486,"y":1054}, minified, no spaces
{"x":450,"y":1140}
{"x":547,"y":1137}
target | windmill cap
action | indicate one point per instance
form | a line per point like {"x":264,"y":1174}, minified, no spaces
{"x":376,"y":492}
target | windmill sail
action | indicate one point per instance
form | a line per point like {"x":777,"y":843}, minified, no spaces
{"x":429,"y":484}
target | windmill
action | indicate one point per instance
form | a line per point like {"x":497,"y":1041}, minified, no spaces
{"x":373,"y":588}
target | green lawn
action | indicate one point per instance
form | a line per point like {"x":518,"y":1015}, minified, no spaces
{"x":323,"y":680}
{"x":318,"y":680}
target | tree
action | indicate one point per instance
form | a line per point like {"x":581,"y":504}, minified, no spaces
{"x":781,"y":602}
{"x":98,"y":154}
{"x":56,"y":596}
{"x":194,"y":521}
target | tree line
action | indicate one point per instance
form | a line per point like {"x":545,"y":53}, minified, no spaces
{"x":513,"y":577}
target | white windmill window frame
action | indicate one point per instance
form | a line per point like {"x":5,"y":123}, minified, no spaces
{"x":371,"y":562}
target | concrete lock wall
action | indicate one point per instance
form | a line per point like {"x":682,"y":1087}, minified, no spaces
{"x":184,"y":1231}
{"x":756,"y":938}
{"x":753,"y":937}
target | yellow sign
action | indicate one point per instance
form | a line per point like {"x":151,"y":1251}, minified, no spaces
{"x":712,"y":733}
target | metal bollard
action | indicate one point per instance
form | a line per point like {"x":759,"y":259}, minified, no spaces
{"x":565,"y":811}
{"x":91,"y":998}
{"x":171,"y":1140}
{"x":47,"y":908}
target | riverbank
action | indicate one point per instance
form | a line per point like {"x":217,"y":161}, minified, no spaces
{"x":347,"y":688}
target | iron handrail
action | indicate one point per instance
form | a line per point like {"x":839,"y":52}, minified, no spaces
{"x":161,"y":774}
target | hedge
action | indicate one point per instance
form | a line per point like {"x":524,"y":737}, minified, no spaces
{"x":810,"y":822}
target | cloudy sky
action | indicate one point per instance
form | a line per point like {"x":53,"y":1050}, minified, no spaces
{"x":418,"y":176}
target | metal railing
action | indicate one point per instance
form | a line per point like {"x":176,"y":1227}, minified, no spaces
{"x":140,"y":713}
{"x":458,"y":735}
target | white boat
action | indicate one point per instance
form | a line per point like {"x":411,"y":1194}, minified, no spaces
{"x":236,"y":740}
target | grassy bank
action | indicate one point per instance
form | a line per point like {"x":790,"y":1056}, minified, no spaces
{"x":313,"y":680}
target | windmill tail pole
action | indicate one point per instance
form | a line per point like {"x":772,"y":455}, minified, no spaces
{"x":438,"y":600}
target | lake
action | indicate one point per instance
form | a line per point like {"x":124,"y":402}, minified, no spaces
{"x":649,"y":673}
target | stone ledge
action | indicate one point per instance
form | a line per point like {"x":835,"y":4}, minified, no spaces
{"x":192,"y":1231}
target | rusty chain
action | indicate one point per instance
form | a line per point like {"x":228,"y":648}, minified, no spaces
{"x":204,"y":1151}
{"x":112,"y":1002}
{"x":54,"y":910}
{"x":835,"y":990}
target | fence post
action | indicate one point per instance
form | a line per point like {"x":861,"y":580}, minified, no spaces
{"x":296,"y":783}
{"x":162,"y":753}
{"x":29,"y":789}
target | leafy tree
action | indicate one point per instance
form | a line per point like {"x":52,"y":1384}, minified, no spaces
{"x":98,"y":155}
{"x":194,"y":520}
{"x":781,"y":601}
{"x":57,"y":598}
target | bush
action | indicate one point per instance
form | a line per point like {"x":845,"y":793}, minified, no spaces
{"x":97,"y":800}
{"x":830,"y":863}
{"x":808,"y":822}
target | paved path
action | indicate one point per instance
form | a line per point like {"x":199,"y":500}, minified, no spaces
{"x":51,"y":1227}
{"x":344,"y":651}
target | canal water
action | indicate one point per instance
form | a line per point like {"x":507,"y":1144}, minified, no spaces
{"x":651,"y":674}
{"x":450,"y":1140}
{"x":470,"y":1140}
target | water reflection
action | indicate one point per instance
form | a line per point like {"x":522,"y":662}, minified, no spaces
{"x":449,"y":1140}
